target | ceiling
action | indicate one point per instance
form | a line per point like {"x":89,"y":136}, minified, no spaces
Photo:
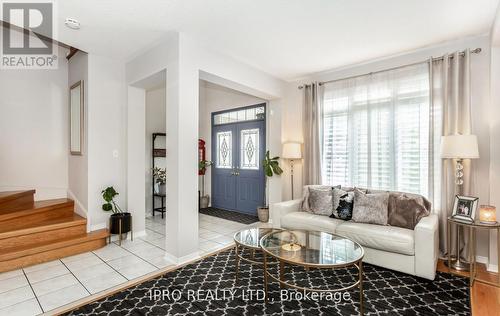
{"x":286,"y":38}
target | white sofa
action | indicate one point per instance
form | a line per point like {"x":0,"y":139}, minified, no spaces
{"x":409,"y":251}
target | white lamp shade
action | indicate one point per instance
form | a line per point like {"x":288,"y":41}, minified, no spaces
{"x":292,"y":151}
{"x":459,"y":147}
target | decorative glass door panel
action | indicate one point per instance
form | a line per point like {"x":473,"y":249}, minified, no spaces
{"x":249,"y":144}
{"x":224,"y":150}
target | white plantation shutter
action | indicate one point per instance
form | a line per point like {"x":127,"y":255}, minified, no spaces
{"x":376,"y":130}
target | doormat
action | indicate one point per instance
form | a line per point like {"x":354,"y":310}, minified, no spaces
{"x":230,"y":215}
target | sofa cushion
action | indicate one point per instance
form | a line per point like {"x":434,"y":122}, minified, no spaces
{"x":387,"y":238}
{"x":406,"y":211}
{"x":370,"y":208}
{"x":306,"y":194}
{"x":308,"y":221}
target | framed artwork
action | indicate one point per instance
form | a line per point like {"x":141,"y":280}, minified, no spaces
{"x":76,"y":118}
{"x":465,"y":208}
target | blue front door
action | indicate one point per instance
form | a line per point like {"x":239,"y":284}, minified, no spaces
{"x":238,"y":181}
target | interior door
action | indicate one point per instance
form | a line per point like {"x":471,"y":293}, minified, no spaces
{"x":238,"y":181}
{"x":224,"y":142}
{"x":250,"y":181}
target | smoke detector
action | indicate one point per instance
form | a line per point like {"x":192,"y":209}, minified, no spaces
{"x":72,"y":23}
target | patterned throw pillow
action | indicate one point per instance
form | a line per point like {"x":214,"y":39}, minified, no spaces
{"x":321,"y":201}
{"x":306,"y":192}
{"x":343,"y":204}
{"x":370,"y":208}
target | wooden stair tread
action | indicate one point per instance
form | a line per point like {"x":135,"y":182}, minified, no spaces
{"x":12,"y":195}
{"x":9,"y":254}
{"x":38,"y":206}
{"x":20,"y":228}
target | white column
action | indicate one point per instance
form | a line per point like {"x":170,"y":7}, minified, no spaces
{"x":274,"y":141}
{"x":136,"y":127}
{"x":182,"y":160}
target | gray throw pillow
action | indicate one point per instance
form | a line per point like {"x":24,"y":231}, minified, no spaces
{"x":370,"y":208}
{"x":321,"y":201}
{"x":406,"y":210}
{"x":305,"y":194}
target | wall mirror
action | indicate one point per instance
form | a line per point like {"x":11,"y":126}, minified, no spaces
{"x":76,"y":104}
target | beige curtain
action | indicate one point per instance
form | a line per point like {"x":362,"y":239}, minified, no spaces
{"x":450,"y":114}
{"x":311,"y":131}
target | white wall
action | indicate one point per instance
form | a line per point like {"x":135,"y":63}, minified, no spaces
{"x":214,"y":98}
{"x":480,"y":65}
{"x":106,"y":134}
{"x":34,"y":130}
{"x":185,"y":63}
{"x":136,"y":125}
{"x":78,"y":164}
{"x":494,"y":120}
{"x":155,"y":123}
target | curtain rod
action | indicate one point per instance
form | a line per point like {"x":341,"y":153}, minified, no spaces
{"x":474,"y":51}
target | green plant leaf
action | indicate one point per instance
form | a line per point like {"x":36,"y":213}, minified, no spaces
{"x":107,"y":207}
{"x":271,"y":165}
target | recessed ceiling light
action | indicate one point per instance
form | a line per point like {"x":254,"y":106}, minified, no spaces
{"x":72,"y":23}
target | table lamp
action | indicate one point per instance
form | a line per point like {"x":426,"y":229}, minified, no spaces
{"x":487,"y":214}
{"x":292,"y":151}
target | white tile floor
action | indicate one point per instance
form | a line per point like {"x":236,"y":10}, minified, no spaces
{"x":44,"y":287}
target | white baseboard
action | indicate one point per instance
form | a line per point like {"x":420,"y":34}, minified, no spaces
{"x":489,"y":267}
{"x":482,"y":259}
{"x":79,"y":209}
{"x":180,"y":260}
{"x":492,"y":268}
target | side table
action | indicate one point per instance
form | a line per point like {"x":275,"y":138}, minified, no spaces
{"x":473,"y":226}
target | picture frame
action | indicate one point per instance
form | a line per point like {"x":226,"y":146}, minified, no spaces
{"x":464,"y":208}
{"x":76,"y":118}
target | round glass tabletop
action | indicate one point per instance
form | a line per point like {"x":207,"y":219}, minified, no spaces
{"x":250,"y":237}
{"x":312,"y":248}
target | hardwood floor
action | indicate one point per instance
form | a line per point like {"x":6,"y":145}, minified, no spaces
{"x":32,"y":232}
{"x":485,"y":299}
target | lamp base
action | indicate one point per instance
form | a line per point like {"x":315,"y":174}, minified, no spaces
{"x":460,"y":265}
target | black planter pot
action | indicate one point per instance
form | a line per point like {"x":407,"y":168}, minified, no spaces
{"x":126,"y":221}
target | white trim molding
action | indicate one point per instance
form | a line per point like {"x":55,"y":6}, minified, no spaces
{"x":181,"y":260}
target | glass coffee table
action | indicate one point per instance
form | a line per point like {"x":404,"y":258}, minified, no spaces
{"x":311,"y":249}
{"x":249,"y":239}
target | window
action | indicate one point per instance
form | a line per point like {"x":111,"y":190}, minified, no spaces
{"x":246,"y":114}
{"x":376,"y":130}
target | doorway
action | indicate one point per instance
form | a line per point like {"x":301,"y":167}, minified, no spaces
{"x":238,"y":149}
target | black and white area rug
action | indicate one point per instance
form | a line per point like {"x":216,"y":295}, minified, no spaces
{"x":206,"y":286}
{"x":230,"y":215}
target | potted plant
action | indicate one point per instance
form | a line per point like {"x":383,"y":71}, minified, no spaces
{"x":271,"y":167}
{"x":160,"y":175}
{"x":118,"y":215}
{"x":202,"y":168}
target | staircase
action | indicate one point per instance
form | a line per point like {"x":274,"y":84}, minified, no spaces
{"x":35,"y":232}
